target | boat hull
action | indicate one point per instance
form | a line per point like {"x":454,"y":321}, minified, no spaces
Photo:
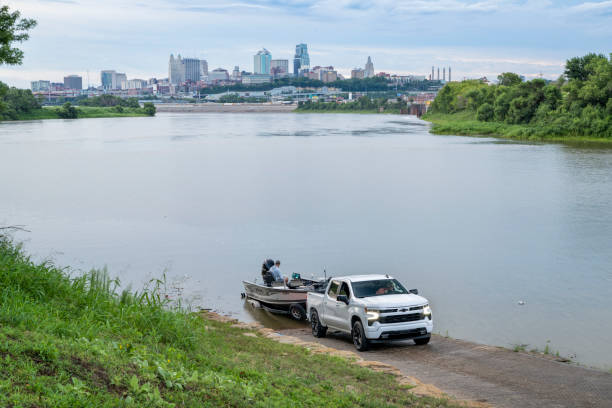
{"x":277,"y":297}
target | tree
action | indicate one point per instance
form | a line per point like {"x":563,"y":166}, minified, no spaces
{"x":149,"y":108}
{"x":13,"y":29}
{"x":509,"y":79}
{"x":485,"y":112}
{"x":578,"y":67}
{"x":67,"y":111}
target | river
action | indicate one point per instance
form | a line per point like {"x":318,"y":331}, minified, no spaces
{"x":511,"y":242}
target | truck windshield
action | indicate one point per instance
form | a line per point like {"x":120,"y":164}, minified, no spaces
{"x":378,"y":287}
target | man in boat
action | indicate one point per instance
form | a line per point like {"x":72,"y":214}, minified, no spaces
{"x":276,"y":272}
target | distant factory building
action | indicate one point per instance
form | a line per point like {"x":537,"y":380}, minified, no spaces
{"x":73,"y":82}
{"x":262,"y":62}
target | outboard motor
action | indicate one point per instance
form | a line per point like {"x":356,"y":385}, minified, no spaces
{"x":265,"y":272}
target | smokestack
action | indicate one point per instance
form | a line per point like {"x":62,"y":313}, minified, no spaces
{"x":438,"y":73}
{"x":432,"y":73}
{"x":444,"y":74}
{"x":449,"y":74}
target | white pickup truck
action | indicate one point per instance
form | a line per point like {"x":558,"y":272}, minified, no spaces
{"x":370,"y":308}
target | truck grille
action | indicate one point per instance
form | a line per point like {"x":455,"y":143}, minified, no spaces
{"x":409,"y":317}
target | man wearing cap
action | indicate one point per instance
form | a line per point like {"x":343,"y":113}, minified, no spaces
{"x":276,"y":272}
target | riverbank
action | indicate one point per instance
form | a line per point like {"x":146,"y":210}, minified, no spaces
{"x":83,"y":112}
{"x":224,"y":108}
{"x":359,"y":111}
{"x":465,"y":124}
{"x":68,"y":342}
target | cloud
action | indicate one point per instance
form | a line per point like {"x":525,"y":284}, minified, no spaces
{"x":592,"y":6}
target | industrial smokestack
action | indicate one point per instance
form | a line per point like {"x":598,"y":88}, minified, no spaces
{"x":432,"y":73}
{"x":438,"y":73}
{"x":449,"y":74}
{"x":444,"y":74}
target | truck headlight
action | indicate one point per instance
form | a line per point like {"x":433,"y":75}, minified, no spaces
{"x":372,"y":314}
{"x":427,"y":311}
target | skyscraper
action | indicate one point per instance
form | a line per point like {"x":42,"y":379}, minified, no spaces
{"x":262,"y":61}
{"x":192,"y":69}
{"x":369,"y":69}
{"x":176,"y":70}
{"x":73,"y":82}
{"x":108,"y":79}
{"x":203,"y":68}
{"x":301,"y":60}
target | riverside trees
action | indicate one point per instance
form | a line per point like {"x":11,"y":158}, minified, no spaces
{"x":578,"y":104}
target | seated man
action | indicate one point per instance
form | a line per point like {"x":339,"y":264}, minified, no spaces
{"x":385,"y":289}
{"x":275,"y":271}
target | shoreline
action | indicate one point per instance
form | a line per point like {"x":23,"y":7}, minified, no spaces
{"x":224,"y":108}
{"x":461,"y":125}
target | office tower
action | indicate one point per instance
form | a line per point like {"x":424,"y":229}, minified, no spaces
{"x":369,"y":69}
{"x":73,"y":82}
{"x":108,"y":79}
{"x":357,"y":73}
{"x":301,"y":60}
{"x":120,"y":81}
{"x":176,"y":70}
{"x":192,"y":69}
{"x":262,"y":61}
{"x":203,"y":68}
{"x":236,"y":73}
{"x":279,"y":66}
{"x":40,"y":86}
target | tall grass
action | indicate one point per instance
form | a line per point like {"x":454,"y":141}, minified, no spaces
{"x":79,"y":341}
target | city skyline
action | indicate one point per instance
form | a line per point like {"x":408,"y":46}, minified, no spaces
{"x":526,"y":37}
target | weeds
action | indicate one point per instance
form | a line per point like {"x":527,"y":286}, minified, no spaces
{"x":67,"y":342}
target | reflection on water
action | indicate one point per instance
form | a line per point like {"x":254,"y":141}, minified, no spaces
{"x":271,"y":320}
{"x":476,"y":224}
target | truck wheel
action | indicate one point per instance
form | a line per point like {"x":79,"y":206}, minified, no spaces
{"x":422,"y":341}
{"x":359,"y":338}
{"x":297,"y":311}
{"x":318,"y":330}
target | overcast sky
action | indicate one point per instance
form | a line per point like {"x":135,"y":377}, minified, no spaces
{"x":474,"y":37}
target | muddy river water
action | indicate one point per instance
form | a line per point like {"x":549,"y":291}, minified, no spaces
{"x":511,"y":242}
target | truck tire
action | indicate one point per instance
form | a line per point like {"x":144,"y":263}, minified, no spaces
{"x":297,"y":311}
{"x":359,"y":338}
{"x":318,"y":330}
{"x":422,"y":341}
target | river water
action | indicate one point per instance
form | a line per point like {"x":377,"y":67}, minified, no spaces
{"x":477,"y":225}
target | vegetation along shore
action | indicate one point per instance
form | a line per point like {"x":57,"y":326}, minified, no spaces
{"x":76,"y":342}
{"x":576,"y":108}
{"x":20,"y":104}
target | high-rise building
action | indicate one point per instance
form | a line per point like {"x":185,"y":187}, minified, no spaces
{"x":301,"y":60}
{"x":218,"y":74}
{"x":121,"y":81}
{"x":40,"y":86}
{"x":108,"y":79}
{"x":236,"y":73}
{"x":279,"y":66}
{"x":192,"y":69}
{"x":73,"y":82}
{"x":357,"y":73}
{"x":176,"y":70}
{"x":369,"y":69}
{"x":262,"y":62}
{"x":203,"y":68}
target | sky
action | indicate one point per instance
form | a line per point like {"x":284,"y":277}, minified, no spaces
{"x":474,"y":37}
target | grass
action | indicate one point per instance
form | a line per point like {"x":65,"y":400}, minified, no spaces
{"x":48,"y":112}
{"x":75,"y":342}
{"x":465,"y":123}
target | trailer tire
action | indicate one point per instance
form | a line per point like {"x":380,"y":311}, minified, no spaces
{"x":297,"y":311}
{"x":318,"y":330}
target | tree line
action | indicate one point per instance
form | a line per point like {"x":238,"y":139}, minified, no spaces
{"x":578,"y":103}
{"x":364,"y":103}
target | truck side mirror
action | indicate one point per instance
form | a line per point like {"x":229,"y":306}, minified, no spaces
{"x":342,"y":298}
{"x":414,"y":291}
